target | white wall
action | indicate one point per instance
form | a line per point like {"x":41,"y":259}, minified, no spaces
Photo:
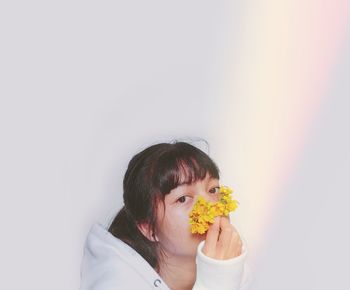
{"x":307,"y":244}
{"x":85,"y":85}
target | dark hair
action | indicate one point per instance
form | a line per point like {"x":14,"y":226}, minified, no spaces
{"x":152,"y":174}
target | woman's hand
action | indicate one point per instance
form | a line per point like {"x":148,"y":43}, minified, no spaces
{"x":222,"y":241}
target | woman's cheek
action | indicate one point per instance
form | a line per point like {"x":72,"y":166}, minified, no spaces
{"x":182,"y":213}
{"x":188,"y":207}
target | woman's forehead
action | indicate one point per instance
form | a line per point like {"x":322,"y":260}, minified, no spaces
{"x":208,"y":178}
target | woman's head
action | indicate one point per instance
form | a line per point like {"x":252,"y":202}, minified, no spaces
{"x":155,"y":186}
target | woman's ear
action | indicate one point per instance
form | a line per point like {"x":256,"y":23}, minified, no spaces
{"x":147,"y":232}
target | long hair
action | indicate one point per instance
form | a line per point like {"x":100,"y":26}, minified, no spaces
{"x":150,"y":176}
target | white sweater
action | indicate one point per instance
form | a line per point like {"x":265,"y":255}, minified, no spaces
{"x":110,"y":264}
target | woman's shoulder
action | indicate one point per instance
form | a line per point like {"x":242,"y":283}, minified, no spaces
{"x":109,"y":262}
{"x":101,"y":242}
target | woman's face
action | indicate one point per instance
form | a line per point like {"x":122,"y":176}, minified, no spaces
{"x":173,"y":225}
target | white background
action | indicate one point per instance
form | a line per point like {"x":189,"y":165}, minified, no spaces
{"x":85,"y":85}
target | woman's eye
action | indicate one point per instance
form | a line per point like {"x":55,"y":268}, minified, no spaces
{"x":215,"y":189}
{"x":182,"y":199}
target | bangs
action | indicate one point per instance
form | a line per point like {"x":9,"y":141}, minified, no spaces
{"x":182,"y":167}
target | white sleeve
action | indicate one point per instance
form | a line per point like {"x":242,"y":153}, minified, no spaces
{"x":213,"y":274}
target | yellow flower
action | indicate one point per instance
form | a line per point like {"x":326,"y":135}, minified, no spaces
{"x":204,"y":212}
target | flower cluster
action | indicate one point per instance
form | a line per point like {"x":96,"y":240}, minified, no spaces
{"x":204,"y":212}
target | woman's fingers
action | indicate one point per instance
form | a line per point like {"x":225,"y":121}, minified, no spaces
{"x":222,"y":240}
{"x":211,"y":239}
{"x":223,"y":244}
{"x":235,"y":246}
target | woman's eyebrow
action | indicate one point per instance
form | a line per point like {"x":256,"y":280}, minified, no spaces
{"x":213,"y":180}
{"x":185,"y":184}
{"x":181,"y":189}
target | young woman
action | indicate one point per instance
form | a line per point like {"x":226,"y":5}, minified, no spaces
{"x":149,"y":244}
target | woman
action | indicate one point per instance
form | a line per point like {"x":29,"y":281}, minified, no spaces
{"x":149,"y":244}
